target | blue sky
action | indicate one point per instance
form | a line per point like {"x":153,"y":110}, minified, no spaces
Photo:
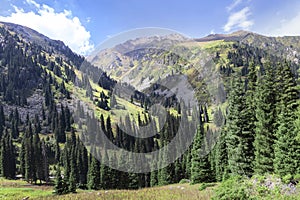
{"x":83,"y":24}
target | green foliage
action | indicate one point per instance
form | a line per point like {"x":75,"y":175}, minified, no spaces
{"x":221,"y":158}
{"x":7,"y":156}
{"x":94,"y":175}
{"x":287,"y":178}
{"x":297,"y":178}
{"x":266,"y":123}
{"x":258,"y":187}
{"x":239,"y":136}
{"x":218,"y":117}
{"x":286,"y":143}
{"x":59,"y":187}
{"x":232,"y":189}
{"x":200,"y":169}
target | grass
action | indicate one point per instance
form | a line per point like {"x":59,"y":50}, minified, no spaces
{"x":170,"y":192}
{"x":20,"y":193}
{"x":16,"y":189}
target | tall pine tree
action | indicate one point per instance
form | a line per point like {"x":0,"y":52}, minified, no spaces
{"x":266,"y":122}
{"x":287,"y":148}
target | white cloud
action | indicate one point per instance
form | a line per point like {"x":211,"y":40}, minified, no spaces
{"x":234,"y":4}
{"x":239,"y":20}
{"x":33,"y":3}
{"x":56,"y":25}
{"x":286,"y":27}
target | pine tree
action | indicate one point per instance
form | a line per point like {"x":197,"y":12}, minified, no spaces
{"x":153,"y":178}
{"x":166,"y":171}
{"x":38,"y":159}
{"x":287,"y":148}
{"x":109,"y":132}
{"x":45,"y":161}
{"x":68,"y":118}
{"x":239,"y":137}
{"x":122,"y":176}
{"x":297,"y":139}
{"x":266,"y":123}
{"x":59,"y":187}
{"x":94,"y":174}
{"x":221,"y":157}
{"x":82,"y":162}
{"x":7,"y":157}
{"x":57,"y":152}
{"x":29,"y":169}
{"x":2,"y":120}
{"x":249,"y":120}
{"x":200,"y":169}
{"x":72,"y":182}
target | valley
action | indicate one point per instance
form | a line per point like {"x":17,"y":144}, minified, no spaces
{"x":160,"y":117}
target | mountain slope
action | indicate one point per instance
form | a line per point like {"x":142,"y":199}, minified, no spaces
{"x":143,"y":61}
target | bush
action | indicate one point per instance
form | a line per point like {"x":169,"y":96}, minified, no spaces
{"x":258,"y":187}
{"x":232,"y":189}
{"x":297,"y":178}
{"x":287,"y":178}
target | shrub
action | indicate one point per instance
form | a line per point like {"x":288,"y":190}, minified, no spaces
{"x":297,"y":178}
{"x":233,"y":188}
{"x":287,"y":178}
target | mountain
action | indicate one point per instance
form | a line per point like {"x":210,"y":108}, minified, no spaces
{"x":150,"y":111}
{"x":27,"y":61}
{"x":143,"y":61}
{"x":235,"y":36}
{"x":289,"y":46}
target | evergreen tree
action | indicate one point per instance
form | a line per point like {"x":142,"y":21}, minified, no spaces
{"x":109,"y":132}
{"x":72,"y":182}
{"x":200,"y":169}
{"x":29,"y":168}
{"x":82,"y":162}
{"x":297,"y":139}
{"x":266,"y":123}
{"x":165,"y":173}
{"x":38,"y":158}
{"x":94,"y":174}
{"x":153,"y":178}
{"x":59,"y":187}
{"x":45,"y":161}
{"x":239,"y":137}
{"x":7,"y":157}
{"x":105,"y":172}
{"x":57,"y":152}
{"x":221,"y":157}
{"x":287,"y":148}
{"x":2,"y":120}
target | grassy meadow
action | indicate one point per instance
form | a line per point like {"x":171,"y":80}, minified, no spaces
{"x":16,"y":189}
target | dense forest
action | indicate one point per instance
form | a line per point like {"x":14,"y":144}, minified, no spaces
{"x":256,"y":133}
